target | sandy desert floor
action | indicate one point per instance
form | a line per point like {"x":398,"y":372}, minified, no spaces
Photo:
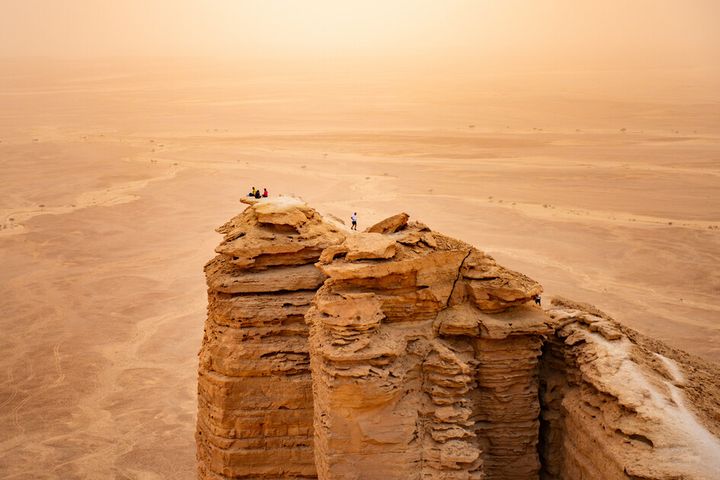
{"x":111,"y":187}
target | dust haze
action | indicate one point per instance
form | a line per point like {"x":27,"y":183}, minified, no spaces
{"x":578,"y":143}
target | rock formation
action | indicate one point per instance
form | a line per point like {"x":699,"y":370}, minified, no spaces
{"x":617,"y":405}
{"x":254,"y":388}
{"x":413,"y":362}
{"x":402,"y":353}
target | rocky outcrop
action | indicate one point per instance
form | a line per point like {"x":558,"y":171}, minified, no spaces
{"x":402,"y":353}
{"x":421,"y":365}
{"x":390,"y":224}
{"x":617,"y":405}
{"x":254,"y":388}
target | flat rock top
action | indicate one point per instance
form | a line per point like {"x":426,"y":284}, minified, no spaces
{"x":277,"y":226}
{"x":283,"y":211}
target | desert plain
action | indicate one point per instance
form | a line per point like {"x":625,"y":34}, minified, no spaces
{"x":604,"y":186}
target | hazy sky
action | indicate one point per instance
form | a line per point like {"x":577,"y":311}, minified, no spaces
{"x":556,"y":33}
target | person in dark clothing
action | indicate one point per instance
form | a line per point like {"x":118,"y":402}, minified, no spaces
{"x":257,"y":193}
{"x":537,"y":299}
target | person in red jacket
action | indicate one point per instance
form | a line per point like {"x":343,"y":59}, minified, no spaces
{"x":265,"y":192}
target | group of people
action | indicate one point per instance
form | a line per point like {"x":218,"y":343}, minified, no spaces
{"x":257,"y":194}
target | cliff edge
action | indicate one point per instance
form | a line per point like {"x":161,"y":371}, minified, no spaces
{"x":402,"y":353}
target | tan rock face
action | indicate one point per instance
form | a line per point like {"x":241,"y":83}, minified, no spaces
{"x":400,"y":353}
{"x":406,"y":377}
{"x":617,"y":405}
{"x":390,"y":224}
{"x":254,"y":388}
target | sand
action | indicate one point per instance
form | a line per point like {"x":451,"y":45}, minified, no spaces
{"x":113,"y":183}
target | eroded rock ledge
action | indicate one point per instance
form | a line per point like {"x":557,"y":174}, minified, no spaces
{"x":401,"y":353}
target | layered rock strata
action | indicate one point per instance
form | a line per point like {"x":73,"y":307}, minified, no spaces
{"x":254,"y":389}
{"x":424,"y":359}
{"x":402,"y":353}
{"x":617,"y":405}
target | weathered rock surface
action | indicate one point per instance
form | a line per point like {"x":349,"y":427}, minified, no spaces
{"x":408,"y":380}
{"x":402,"y":353}
{"x":254,"y":388}
{"x":617,"y":405}
{"x":390,"y":224}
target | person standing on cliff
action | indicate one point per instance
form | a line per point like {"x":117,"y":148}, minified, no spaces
{"x":353,"y":218}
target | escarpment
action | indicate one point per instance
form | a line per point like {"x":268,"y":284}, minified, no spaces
{"x":254,"y":388}
{"x":417,"y":372}
{"x":617,"y":405}
{"x":402,"y":353}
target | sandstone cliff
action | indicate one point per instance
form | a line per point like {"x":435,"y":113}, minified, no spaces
{"x":617,"y":405}
{"x":254,"y":387}
{"x":402,"y":353}
{"x":413,"y":362}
